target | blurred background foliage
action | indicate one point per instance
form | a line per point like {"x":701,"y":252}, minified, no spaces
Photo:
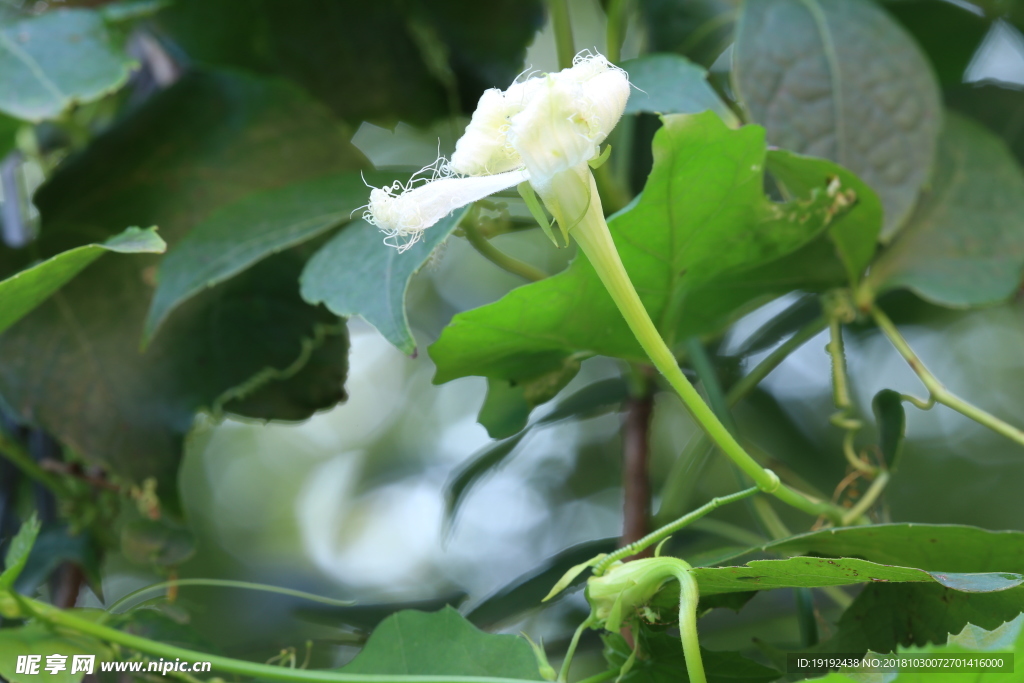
{"x":330,"y":474}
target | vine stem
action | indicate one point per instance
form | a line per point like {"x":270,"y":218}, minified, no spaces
{"x":591,"y":232}
{"x":498,"y":257}
{"x":559,"y":10}
{"x":671,"y":528}
{"x":57,"y":617}
{"x":227,"y":583}
{"x":20,"y":458}
{"x":938,"y":392}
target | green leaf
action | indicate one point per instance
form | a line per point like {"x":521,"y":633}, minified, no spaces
{"x":671,"y":84}
{"x":964,"y":245}
{"x":367,"y":61}
{"x":202,"y":144}
{"x":443,"y":644}
{"x":36,"y":639}
{"x":884,"y":617}
{"x":702,"y":218}
{"x":241,"y":234}
{"x":1006,"y":638}
{"x":815,"y":572}
{"x":892,"y":425}
{"x":24,"y":291}
{"x":932,"y":547}
{"x":854,"y":233}
{"x":841,"y":80}
{"x":665,"y":663}
{"x":355,"y":273}
{"x":8,"y":134}
{"x":57,"y":60}
{"x":18,"y":552}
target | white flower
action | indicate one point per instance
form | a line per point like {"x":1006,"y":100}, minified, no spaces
{"x":536,"y":130}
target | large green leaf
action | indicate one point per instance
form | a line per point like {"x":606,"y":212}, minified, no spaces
{"x":435,"y":55}
{"x":237,"y":236}
{"x":24,"y":291}
{"x":842,"y":80}
{"x":355,"y":273}
{"x":964,"y":245}
{"x":671,"y":84}
{"x":886,"y":616}
{"x":56,"y":60}
{"x":702,"y":218}
{"x":932,"y":547}
{"x":443,"y":644}
{"x":1004,"y":638}
{"x":74,"y":366}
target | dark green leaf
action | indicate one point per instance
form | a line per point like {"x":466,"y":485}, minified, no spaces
{"x":18,"y":552}
{"x":74,"y":366}
{"x":55,"y":545}
{"x":56,"y":60}
{"x":336,"y":50}
{"x":699,"y":29}
{"x":36,"y":639}
{"x":842,"y":80}
{"x":892,"y":425}
{"x":948,"y":33}
{"x":357,"y":274}
{"x":442,"y":643}
{"x":664,"y":662}
{"x":237,"y":236}
{"x":671,"y":84}
{"x":23,"y":292}
{"x":964,"y":245}
{"x":526,"y":592}
{"x":998,"y":107}
{"x":702,"y":217}
{"x":884,"y":617}
{"x":1005,"y":638}
{"x":932,"y":547}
